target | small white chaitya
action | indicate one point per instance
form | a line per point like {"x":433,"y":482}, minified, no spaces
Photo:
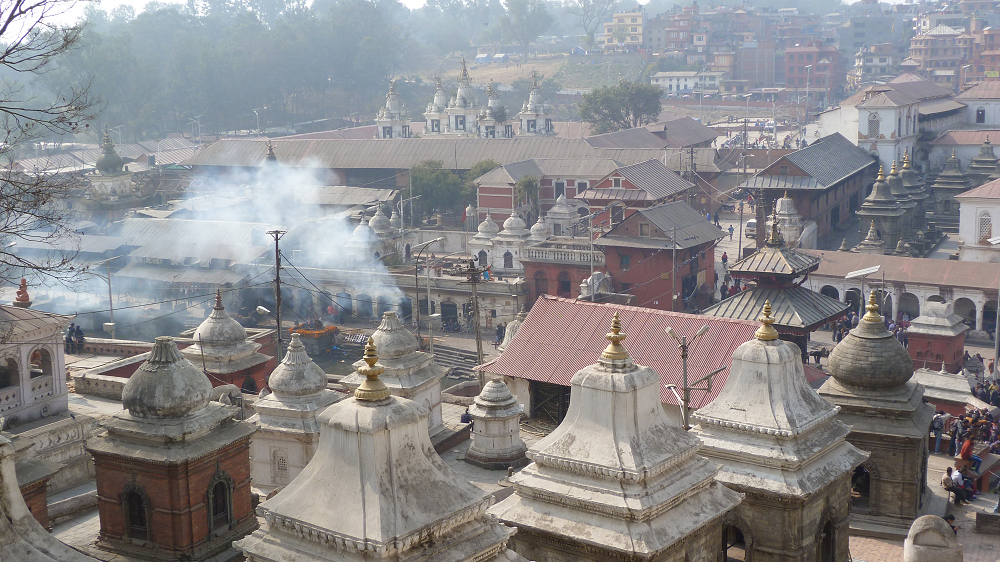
{"x":409,"y":373}
{"x":289,"y":431}
{"x":496,"y":430}
{"x":780,"y":444}
{"x":617,"y":480}
{"x":376,"y":490}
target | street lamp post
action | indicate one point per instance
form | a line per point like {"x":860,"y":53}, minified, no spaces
{"x":683,"y":344}
{"x":430,"y":325}
{"x":111,"y":302}
{"x":416,"y":280}
{"x":808,"y":75}
{"x":258,"y":119}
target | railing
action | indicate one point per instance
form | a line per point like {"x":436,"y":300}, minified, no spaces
{"x":41,"y":387}
{"x":580,"y":256}
{"x":10,"y":397}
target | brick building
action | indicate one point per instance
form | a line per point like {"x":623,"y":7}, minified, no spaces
{"x":826,"y":181}
{"x":641,"y":250}
{"x":558,"y":265}
{"x":173,"y":471}
{"x":814,"y":70}
{"x":627,"y":188}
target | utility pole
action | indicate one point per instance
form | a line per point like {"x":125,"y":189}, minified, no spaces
{"x":474,"y":276}
{"x":277,"y":234}
{"x":683,"y":344}
{"x":673,"y":269}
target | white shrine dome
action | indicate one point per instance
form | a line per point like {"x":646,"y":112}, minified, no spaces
{"x":514,"y":223}
{"x":488,"y":227}
{"x":392,"y":339}
{"x":380,"y":223}
{"x":167,"y":385}
{"x":298,"y":374}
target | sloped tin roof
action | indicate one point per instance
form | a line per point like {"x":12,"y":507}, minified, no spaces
{"x":561,"y":336}
{"x":796,"y":309}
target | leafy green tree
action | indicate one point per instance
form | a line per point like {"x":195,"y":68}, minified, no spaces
{"x":524,"y":21}
{"x":624,"y":106}
{"x":526,"y":189}
{"x":520,"y":88}
{"x":439,"y":189}
{"x":478,"y":170}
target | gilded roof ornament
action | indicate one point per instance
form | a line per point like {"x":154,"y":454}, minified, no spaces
{"x":893,"y":172}
{"x":766,"y":332}
{"x":372,"y":389}
{"x":872,"y":308}
{"x":906,"y":158}
{"x":615,"y":350}
{"x":881,"y":174}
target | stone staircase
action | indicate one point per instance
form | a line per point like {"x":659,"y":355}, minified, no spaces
{"x":460,"y":361}
{"x":945,"y":223}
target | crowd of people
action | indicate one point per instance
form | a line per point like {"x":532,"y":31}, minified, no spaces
{"x":846,"y":324}
{"x":964,"y":432}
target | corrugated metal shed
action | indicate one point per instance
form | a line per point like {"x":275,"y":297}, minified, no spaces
{"x":84,"y":243}
{"x":831,"y":159}
{"x":561,"y":336}
{"x":345,"y":195}
{"x":795,"y":309}
{"x":985,"y":90}
{"x":934,"y":107}
{"x":628,"y":138}
{"x":965,"y":138}
{"x":683,"y":132}
{"x":180,"y":274}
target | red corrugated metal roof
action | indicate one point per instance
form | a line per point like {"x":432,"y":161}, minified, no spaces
{"x":561,"y":336}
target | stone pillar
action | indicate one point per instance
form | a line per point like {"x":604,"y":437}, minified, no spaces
{"x":496,"y":432}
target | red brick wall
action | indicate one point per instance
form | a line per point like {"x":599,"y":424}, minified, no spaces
{"x":935,"y":349}
{"x":551,"y":272}
{"x":36,"y":497}
{"x":646,"y":268}
{"x":177,"y":494}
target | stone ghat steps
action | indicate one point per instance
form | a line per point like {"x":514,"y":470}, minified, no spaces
{"x":460,"y":361}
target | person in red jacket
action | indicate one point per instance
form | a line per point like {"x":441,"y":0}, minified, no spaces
{"x":966,"y":454}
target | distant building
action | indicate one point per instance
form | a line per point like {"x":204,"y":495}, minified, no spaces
{"x":814,"y":70}
{"x":872,"y":63}
{"x":664,"y":255}
{"x":623,"y":32}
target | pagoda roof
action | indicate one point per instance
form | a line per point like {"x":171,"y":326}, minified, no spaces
{"x":795,"y":309}
{"x":774,"y":260}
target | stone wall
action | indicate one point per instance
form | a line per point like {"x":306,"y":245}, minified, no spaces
{"x":104,"y":386}
{"x":118,"y":348}
{"x":62,"y":441}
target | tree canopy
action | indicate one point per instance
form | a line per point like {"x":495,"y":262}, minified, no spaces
{"x":439,"y":189}
{"x":624,"y":106}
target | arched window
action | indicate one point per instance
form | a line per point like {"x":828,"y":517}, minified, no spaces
{"x":508,"y":260}
{"x":565,"y":285}
{"x":980,"y":115}
{"x":541,"y":283}
{"x":482,"y":258}
{"x":135,"y":504}
{"x":9,"y":375}
{"x":41,"y":363}
{"x":220,"y":504}
{"x":874,"y":124}
{"x":985,"y":227}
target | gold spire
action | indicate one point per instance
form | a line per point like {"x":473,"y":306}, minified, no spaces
{"x":954,"y":153}
{"x":372,"y":389}
{"x":906,"y":158}
{"x":872,"y":308}
{"x":881,"y":174}
{"x":892,"y":172}
{"x":766,"y":332}
{"x":774,"y":236}
{"x":615,"y":350}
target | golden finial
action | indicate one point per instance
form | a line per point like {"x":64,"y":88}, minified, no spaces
{"x":881,"y":174}
{"x":954,"y":153}
{"x":872,"y":308}
{"x":987,"y":139}
{"x":615,"y":350}
{"x":774,"y":236}
{"x":893,"y":172}
{"x":906,"y":158}
{"x":766,"y":332}
{"x":372,"y":389}
{"x":785,"y":196}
